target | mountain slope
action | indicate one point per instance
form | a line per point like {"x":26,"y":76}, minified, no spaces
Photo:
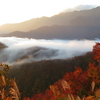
{"x":84,"y":17}
{"x":61,"y":32}
{"x":36,"y":77}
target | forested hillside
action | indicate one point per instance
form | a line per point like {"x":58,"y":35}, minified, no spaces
{"x":36,"y":77}
{"x":74,"y":78}
{"x":76,"y":85}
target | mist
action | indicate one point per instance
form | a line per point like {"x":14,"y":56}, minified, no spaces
{"x":24,"y":50}
{"x":80,"y":7}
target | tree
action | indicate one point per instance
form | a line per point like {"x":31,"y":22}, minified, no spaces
{"x":96,"y":52}
{"x":8,"y":87}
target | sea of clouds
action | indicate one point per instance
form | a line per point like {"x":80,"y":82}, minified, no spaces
{"x":23,"y":50}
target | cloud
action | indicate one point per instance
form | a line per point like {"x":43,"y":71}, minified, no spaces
{"x":80,"y":7}
{"x":23,"y":50}
{"x":84,"y":7}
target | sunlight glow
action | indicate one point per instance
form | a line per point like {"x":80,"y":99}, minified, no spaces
{"x":15,"y":11}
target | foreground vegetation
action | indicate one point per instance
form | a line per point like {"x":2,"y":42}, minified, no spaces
{"x":33,"y":78}
{"x":49,"y":83}
{"x":79,"y":84}
{"x":8,"y":87}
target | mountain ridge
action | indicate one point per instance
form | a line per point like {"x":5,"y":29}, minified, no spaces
{"x":60,"y":32}
{"x":83,"y":24}
{"x":60,"y":19}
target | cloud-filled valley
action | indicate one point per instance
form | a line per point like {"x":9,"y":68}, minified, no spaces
{"x":23,"y":50}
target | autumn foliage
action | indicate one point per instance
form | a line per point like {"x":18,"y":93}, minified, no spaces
{"x":96,"y":51}
{"x":80,"y":84}
{"x":8,"y":87}
{"x":77,"y":85}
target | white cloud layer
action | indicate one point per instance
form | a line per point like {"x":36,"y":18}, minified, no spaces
{"x":21,"y":50}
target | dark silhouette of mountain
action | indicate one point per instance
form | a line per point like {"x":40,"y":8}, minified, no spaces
{"x":61,"y":32}
{"x":84,"y":17}
{"x":2,"y":46}
{"x":72,"y":25}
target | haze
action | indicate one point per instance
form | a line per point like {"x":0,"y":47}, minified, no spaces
{"x":15,"y":11}
{"x":23,"y":50}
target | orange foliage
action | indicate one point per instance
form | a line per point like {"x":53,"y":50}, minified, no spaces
{"x":77,"y":80}
{"x":77,"y":72}
{"x":96,"y":51}
{"x":8,"y":98}
{"x":93,"y":72}
{"x":75,"y":83}
{"x":55,"y":90}
{"x":26,"y":98}
{"x":72,"y":83}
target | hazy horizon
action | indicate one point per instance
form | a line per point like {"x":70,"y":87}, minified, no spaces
{"x":76,"y":8}
{"x":16,"y":11}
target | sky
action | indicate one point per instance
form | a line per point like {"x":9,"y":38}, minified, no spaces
{"x":15,"y":11}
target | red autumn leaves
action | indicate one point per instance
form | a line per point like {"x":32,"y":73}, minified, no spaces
{"x":78,"y":83}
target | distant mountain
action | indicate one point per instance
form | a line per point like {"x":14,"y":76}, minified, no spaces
{"x":83,"y":17}
{"x":61,"y":32}
{"x":72,"y":25}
